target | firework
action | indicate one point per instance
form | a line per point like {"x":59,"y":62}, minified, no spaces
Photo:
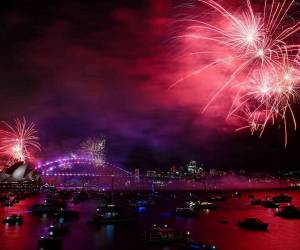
{"x":18,"y":140}
{"x":265,"y":83}
{"x":94,"y":148}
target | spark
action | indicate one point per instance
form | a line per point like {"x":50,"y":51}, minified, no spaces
{"x":94,"y":148}
{"x":266,"y":81}
{"x":18,"y":140}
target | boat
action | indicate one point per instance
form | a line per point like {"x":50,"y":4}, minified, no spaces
{"x":256,"y":202}
{"x":197,"y":205}
{"x":7,"y":203}
{"x":59,"y":229}
{"x":67,"y":214}
{"x":185,"y":212}
{"x":8,"y":200}
{"x":270,"y":204}
{"x":49,"y":242}
{"x":112,"y":214}
{"x":253,"y":224}
{"x":109,"y":213}
{"x":142,"y":203}
{"x":237,"y":194}
{"x":80,"y":196}
{"x":3,"y":197}
{"x":74,"y":200}
{"x":163,"y":235}
{"x":218,"y":198}
{"x":14,"y":219}
{"x":15,"y":200}
{"x":289,"y":212}
{"x":282,"y":198}
{"x":44,"y":208}
{"x":193,"y":245}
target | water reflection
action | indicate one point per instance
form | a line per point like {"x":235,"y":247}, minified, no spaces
{"x":211,"y":226}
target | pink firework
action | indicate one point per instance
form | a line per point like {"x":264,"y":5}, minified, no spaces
{"x":266,"y":76}
{"x":18,"y":140}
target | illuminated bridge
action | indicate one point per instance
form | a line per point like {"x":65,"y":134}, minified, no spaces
{"x":71,"y":172}
{"x":82,"y":171}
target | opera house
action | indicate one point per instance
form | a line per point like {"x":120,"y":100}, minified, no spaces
{"x":19,"y":176}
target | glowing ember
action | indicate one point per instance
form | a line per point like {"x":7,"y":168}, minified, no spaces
{"x":265,"y":73}
{"x":18,"y":140}
{"x":94,"y":148}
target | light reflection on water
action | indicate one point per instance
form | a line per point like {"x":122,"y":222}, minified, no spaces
{"x":282,"y":234}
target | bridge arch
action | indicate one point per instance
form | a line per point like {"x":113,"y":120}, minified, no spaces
{"x":80,"y":171}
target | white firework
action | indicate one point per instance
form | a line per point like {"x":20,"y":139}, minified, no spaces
{"x":94,"y":148}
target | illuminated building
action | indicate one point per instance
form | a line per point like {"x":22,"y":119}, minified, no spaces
{"x":20,"y":176}
{"x":192,"y":167}
{"x":137,"y":173}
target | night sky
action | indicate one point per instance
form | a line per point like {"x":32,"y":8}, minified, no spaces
{"x":102,"y":68}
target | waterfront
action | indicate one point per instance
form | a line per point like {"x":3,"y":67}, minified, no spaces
{"x":282,"y":233}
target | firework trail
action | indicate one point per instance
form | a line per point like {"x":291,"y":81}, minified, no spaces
{"x":18,"y":140}
{"x":266,"y":79}
{"x":94,"y":148}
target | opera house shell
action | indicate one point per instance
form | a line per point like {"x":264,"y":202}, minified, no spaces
{"x":19,"y":175}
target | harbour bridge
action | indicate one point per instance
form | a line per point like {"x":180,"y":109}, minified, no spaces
{"x":84,"y":172}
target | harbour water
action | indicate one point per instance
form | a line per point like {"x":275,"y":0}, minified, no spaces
{"x":282,"y":233}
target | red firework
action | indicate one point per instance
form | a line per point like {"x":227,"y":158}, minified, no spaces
{"x":18,"y":140}
{"x":266,"y":78}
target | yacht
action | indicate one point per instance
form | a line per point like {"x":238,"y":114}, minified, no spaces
{"x":49,"y":242}
{"x":162,"y":235}
{"x":111,"y":214}
{"x":289,"y":212}
{"x":59,"y":229}
{"x":253,"y":224}
{"x":15,"y":200}
{"x":193,"y":245}
{"x":237,"y":194}
{"x":80,"y":196}
{"x":218,"y":198}
{"x":14,"y":219}
{"x":44,"y":208}
{"x":142,"y":203}
{"x":67,"y":214}
{"x":7,"y":203}
{"x":197,"y":205}
{"x":282,"y":198}
{"x":270,"y":204}
{"x":185,"y":212}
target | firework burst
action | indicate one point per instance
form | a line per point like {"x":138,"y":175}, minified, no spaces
{"x":18,"y":140}
{"x":266,"y":79}
{"x":94,"y":148}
